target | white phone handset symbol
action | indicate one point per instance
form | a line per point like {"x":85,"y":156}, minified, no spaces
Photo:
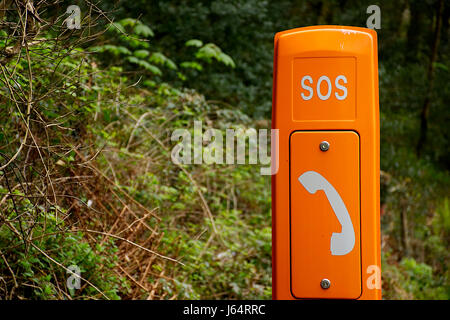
{"x":343,"y":242}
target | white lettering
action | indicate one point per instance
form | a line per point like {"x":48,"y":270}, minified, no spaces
{"x":341,"y":87}
{"x":308,"y":88}
{"x":325,"y":97}
{"x":322,"y":97}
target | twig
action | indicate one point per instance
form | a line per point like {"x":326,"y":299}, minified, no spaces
{"x":132,"y":243}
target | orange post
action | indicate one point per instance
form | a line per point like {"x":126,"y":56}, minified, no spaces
{"x":325,"y":196}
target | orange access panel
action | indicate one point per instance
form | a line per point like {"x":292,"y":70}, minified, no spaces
{"x":325,"y":195}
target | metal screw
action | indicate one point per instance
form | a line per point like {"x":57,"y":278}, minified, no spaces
{"x":324,"y":146}
{"x":325,"y":283}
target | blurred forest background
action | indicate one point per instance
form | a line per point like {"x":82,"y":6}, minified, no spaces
{"x":86,"y":117}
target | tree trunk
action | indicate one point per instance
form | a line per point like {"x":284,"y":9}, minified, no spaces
{"x":430,"y":77}
{"x":404,"y":230}
{"x":414,"y":30}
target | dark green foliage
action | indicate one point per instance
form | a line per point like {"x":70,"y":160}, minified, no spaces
{"x":413,"y":189}
{"x":33,"y":275}
{"x":161,"y":65}
{"x":244,"y":29}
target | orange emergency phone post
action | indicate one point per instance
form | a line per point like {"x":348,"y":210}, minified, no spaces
{"x":325,"y":196}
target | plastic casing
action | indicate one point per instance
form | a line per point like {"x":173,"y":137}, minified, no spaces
{"x":355,"y":43}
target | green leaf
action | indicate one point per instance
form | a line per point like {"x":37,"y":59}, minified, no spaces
{"x":115,"y":50}
{"x":226,"y":60}
{"x":181,"y":76}
{"x":116,"y":27}
{"x":141,"y":54}
{"x":191,"y":65}
{"x":171,"y":65}
{"x":160,"y":58}
{"x":211,"y":51}
{"x":128,"y":22}
{"x":153,"y":69}
{"x":194,"y":43}
{"x":440,"y":66}
{"x":123,"y":50}
{"x":133,"y":60}
{"x":149,"y":83}
{"x":207,"y":52}
{"x":143,"y":30}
